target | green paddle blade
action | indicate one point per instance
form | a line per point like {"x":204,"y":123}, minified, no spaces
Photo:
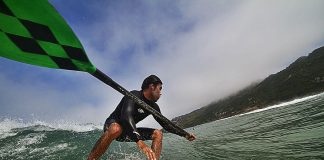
{"x":33,"y":32}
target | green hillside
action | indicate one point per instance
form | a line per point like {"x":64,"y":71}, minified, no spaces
{"x":303,"y":77}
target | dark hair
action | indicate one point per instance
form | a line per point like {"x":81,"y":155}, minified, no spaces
{"x":152,"y":79}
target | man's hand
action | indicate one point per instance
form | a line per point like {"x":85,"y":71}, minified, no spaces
{"x":190,"y":137}
{"x":147,"y":150}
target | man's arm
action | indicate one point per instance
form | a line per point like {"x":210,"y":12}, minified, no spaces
{"x":129,"y":123}
{"x":165,"y":125}
{"x":189,"y":137}
{"x":128,"y":119}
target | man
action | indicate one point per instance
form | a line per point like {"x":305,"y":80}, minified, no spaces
{"x":121,"y":124}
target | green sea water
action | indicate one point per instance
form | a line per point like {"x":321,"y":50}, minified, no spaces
{"x":293,"y":130}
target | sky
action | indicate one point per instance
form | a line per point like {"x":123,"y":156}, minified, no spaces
{"x":203,"y":50}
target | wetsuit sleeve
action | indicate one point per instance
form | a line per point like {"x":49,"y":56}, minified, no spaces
{"x":165,"y":125}
{"x":127,"y":119}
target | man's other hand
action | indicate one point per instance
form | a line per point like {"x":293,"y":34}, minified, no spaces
{"x":190,"y":137}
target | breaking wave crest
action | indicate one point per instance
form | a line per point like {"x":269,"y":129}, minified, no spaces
{"x":9,"y":126}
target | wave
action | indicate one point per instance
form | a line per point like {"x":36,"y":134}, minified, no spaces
{"x":9,"y":126}
{"x":56,"y":140}
{"x":295,"y":101}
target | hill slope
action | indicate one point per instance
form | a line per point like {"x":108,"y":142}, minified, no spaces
{"x":303,"y":77}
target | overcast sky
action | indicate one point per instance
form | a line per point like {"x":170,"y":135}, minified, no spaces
{"x":202,"y":50}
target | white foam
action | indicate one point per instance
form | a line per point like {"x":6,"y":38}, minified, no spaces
{"x":49,"y":150}
{"x":58,"y":147}
{"x":73,"y":126}
{"x":31,"y":139}
{"x":127,"y":156}
{"x":22,"y":144}
{"x":7,"y":125}
{"x":125,"y":151}
{"x":278,"y":105}
{"x":284,"y":104}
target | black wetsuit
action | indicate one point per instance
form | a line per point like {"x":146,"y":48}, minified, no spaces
{"x":128,"y":113}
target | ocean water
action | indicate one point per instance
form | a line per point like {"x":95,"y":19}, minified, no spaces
{"x":292,"y":130}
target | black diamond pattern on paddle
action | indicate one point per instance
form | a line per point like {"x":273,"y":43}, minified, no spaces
{"x":39,"y":31}
{"x":64,"y":63}
{"x":4,"y":9}
{"x":75,"y":53}
{"x":26,"y":44}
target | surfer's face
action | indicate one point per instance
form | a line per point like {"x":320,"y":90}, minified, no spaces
{"x":156,"y":92}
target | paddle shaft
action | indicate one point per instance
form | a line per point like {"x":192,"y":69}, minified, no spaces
{"x":104,"y":78}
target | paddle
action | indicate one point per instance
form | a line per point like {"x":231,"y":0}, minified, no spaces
{"x":33,"y":32}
